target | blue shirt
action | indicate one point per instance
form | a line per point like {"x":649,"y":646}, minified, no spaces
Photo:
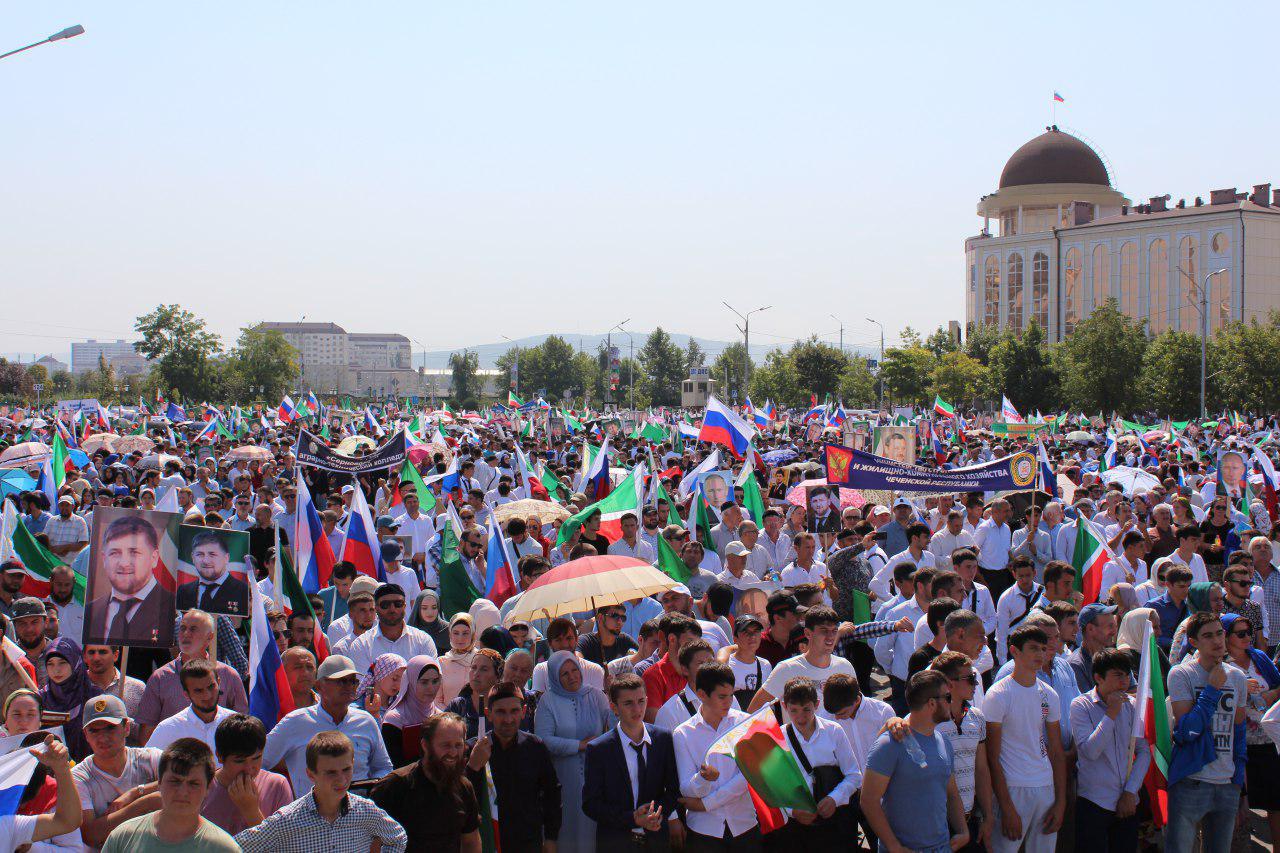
{"x":895,"y":538}
{"x":1171,"y":616}
{"x":638,"y":614}
{"x":915,"y":801}
{"x":288,"y":741}
{"x":1063,"y":681}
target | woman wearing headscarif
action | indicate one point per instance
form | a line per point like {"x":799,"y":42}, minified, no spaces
{"x":1205,"y":596}
{"x":380,"y":686}
{"x":455,"y":664}
{"x":426,"y":617}
{"x":1262,"y":769}
{"x":415,"y":702}
{"x":67,"y":689}
{"x":569,"y":716}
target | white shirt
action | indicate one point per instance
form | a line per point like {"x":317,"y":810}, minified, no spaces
{"x":759,"y":561}
{"x":642,"y":550}
{"x":726,"y":801}
{"x":1118,"y":570}
{"x":794,"y":575}
{"x":1022,"y":712}
{"x":17,"y":830}
{"x":1147,"y":591}
{"x":829,"y":745}
{"x":863,"y":730}
{"x":1198,"y":572}
{"x":979,"y":601}
{"x":779,"y":552}
{"x":70,"y":618}
{"x":942,"y":543}
{"x":793,"y":667}
{"x":407,"y":579}
{"x":677,"y":709}
{"x":882,"y":580}
{"x":893,"y":651}
{"x":592,"y":675}
{"x":994,"y":542}
{"x":421,"y":529}
{"x":372,"y":643}
{"x":1011,"y":607}
{"x":629,"y":755}
{"x":749,"y":580}
{"x":185,"y":723}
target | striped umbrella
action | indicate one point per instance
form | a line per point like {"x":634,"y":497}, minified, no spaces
{"x":588,"y":583}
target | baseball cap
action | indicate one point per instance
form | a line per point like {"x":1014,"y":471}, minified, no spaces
{"x":385,"y":521}
{"x":745,"y":622}
{"x":878,"y":509}
{"x":348,"y":489}
{"x":28,"y":606}
{"x":107,"y":707}
{"x":736,"y":549}
{"x":12,"y":566}
{"x":391,"y":550}
{"x":363,"y":583}
{"x":336,"y":666}
{"x":1092,"y":611}
{"x":902,"y":502}
{"x":67,"y":499}
{"x":680,"y":588}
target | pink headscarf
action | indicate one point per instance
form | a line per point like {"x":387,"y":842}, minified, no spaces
{"x":407,"y":710}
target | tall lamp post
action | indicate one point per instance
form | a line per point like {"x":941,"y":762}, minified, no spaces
{"x":1203,"y":308}
{"x":745,"y":328}
{"x":881,"y":381}
{"x":841,"y":322}
{"x":69,"y":32}
{"x":631,"y":368}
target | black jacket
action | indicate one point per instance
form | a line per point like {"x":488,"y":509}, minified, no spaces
{"x":529,"y":809}
{"x":606,"y":788}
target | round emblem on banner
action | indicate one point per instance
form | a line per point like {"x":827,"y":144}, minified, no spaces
{"x":1023,"y":470}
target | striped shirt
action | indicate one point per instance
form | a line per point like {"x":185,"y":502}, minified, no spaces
{"x":299,"y":828}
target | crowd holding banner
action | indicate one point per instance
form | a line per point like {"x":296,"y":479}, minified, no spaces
{"x":525,"y":628}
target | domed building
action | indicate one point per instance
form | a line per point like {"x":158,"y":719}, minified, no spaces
{"x":1067,"y":240}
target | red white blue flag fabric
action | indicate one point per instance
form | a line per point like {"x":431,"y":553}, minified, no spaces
{"x":360,"y":546}
{"x":287,"y":411}
{"x":721,"y":425}
{"x":269,"y":695}
{"x":500,"y":577}
{"x":598,"y":473}
{"x":1048,"y":479}
{"x":314,"y":555}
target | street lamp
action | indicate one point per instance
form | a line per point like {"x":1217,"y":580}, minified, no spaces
{"x":631,"y":368}
{"x":745,"y":328}
{"x":878,"y":323}
{"x":841,"y":322}
{"x":69,"y":32}
{"x":1203,"y":308}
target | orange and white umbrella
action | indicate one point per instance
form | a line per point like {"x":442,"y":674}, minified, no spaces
{"x":586,"y":584}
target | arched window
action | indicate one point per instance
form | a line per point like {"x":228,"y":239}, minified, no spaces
{"x":1129,"y":279}
{"x":1158,"y":282}
{"x":1221,"y":243}
{"x":1187,"y":300}
{"x":1015,"y":292}
{"x":1219,"y":301}
{"x":1101,"y":276}
{"x":991,"y":292}
{"x":1071,"y":295}
{"x":1040,"y":289}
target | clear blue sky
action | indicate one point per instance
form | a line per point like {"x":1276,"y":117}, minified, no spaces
{"x":460,"y":171}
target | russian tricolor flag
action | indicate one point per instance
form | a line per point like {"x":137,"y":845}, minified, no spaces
{"x":361,"y":543}
{"x":287,"y":411}
{"x":720,"y":425}
{"x":269,"y":695}
{"x":500,"y":578}
{"x":371,"y":423}
{"x":15,"y":772}
{"x":1048,"y":480}
{"x":598,"y":473}
{"x":314,"y":553}
{"x":939,"y":450}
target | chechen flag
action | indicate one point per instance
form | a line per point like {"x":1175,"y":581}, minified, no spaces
{"x":628,"y":497}
{"x":314,"y":553}
{"x":763,"y":755}
{"x":360,"y":546}
{"x":721,"y":425}
{"x":1090,"y":558}
{"x":1152,"y":723}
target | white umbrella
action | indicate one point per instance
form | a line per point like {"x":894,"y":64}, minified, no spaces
{"x":1131,"y":480}
{"x":24,"y":454}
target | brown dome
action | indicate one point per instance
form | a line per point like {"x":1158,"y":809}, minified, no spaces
{"x":1054,"y":157}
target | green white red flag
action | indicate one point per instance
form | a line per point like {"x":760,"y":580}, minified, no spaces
{"x":774,"y":777}
{"x":17,"y":543}
{"x":1152,"y":723}
{"x":943,"y":408}
{"x":1089,"y":559}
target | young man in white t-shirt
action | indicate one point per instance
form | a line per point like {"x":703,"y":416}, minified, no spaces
{"x":1024,"y":750}
{"x":821,"y":630}
{"x":1016,"y":602}
{"x":749,"y":669}
{"x":114,"y":774}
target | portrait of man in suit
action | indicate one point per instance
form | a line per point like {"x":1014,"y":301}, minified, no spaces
{"x":213,"y":589}
{"x":824,"y":509}
{"x":127,"y":604}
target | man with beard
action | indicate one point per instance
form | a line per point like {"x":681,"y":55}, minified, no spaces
{"x":200,"y":719}
{"x":215,"y":589}
{"x":62,"y":596}
{"x":431,"y":798}
{"x":11,"y":577}
{"x":29,"y":618}
{"x":909,"y":794}
{"x":326,"y":816}
{"x":525,"y":782}
{"x":133,"y":609}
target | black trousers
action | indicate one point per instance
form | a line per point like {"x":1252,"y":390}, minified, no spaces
{"x":997,"y":581}
{"x":898,"y":696}
{"x":863,"y":659}
{"x":747,"y":842}
{"x":1098,"y":830}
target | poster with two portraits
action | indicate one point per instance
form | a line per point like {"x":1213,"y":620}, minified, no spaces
{"x":145,"y":566}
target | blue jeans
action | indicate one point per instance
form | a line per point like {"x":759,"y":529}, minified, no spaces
{"x":1190,"y":802}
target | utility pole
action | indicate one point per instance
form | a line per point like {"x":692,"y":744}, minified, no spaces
{"x":841,"y":322}
{"x":881,"y":366}
{"x":631,"y":368}
{"x":745,"y":328}
{"x":1203,"y":308}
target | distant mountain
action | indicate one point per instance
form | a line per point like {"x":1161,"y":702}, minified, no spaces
{"x":489,"y":353}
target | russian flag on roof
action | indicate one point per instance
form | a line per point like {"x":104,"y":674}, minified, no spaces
{"x":360,"y":546}
{"x":315,"y":555}
{"x":720,"y":425}
{"x":500,"y":579}
{"x":270,"y":697}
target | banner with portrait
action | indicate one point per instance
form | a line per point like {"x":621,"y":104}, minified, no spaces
{"x":311,"y":450}
{"x":856,"y":469}
{"x":822,"y":509}
{"x":133,"y":560}
{"x":896,"y":442}
{"x":213,"y":574}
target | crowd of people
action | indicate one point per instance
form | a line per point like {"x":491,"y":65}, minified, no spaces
{"x":945,"y":671}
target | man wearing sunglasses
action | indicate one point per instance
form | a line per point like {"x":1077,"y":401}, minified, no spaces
{"x":390,"y":635}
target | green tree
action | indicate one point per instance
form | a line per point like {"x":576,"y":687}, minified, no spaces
{"x":858,"y":385}
{"x":183,"y":349}
{"x":1170,"y":375}
{"x":1244,"y":357}
{"x":906,"y":373}
{"x":940,"y":342}
{"x":63,"y":382}
{"x":14,"y":380}
{"x":775,"y":379}
{"x":979,"y":342}
{"x":728,"y":370}
{"x":38,"y":373}
{"x":466,"y":388}
{"x":819,"y":366}
{"x":959,"y":378}
{"x":911,"y":338}
{"x":588,"y":371}
{"x":1021,"y":370}
{"x":1098,"y":361}
{"x":100,"y":382}
{"x":694,"y":356}
{"x":664,"y":367}
{"x":261,"y":358}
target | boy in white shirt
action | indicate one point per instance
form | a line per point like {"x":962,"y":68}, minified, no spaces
{"x":1016,"y":602}
{"x":827,"y":760}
